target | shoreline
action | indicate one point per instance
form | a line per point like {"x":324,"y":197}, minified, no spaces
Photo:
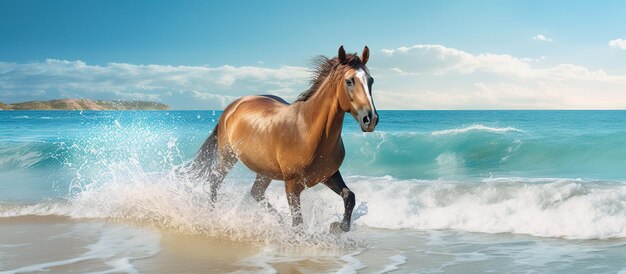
{"x":63,"y":244}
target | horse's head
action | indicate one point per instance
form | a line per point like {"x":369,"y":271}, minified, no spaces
{"x":355,"y":89}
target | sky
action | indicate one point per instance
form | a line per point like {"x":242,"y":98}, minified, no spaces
{"x":424,"y":54}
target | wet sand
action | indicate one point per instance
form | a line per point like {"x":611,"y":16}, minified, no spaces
{"x":64,"y":245}
{"x":55,"y":244}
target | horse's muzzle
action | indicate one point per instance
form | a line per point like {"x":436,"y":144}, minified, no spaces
{"x":368,"y":121}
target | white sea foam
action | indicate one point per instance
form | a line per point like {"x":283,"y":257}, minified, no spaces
{"x":183,"y":206}
{"x":549,"y":208}
{"x":270,"y":256}
{"x":352,"y":264}
{"x":396,"y":261}
{"x":566,"y":208}
{"x":476,"y":127}
{"x":261,"y":261}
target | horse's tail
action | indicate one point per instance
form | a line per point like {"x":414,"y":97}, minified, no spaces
{"x":204,"y":162}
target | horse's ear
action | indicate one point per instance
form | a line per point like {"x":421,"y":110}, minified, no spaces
{"x":341,"y":54}
{"x":365,"y":55}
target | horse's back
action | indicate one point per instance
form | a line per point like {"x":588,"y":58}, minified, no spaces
{"x":275,"y":98}
{"x":255,"y":103}
{"x":252,"y":105}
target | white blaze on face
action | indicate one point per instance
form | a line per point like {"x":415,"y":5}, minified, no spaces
{"x":360,"y":73}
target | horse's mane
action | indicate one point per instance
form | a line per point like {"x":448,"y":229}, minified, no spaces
{"x":322,"y":68}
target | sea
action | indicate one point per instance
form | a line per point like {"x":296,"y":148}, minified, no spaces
{"x":436,"y":192}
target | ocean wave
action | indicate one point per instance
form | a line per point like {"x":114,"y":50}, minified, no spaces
{"x":476,"y":127}
{"x":23,"y":155}
{"x":404,"y":154}
{"x":573,"y":209}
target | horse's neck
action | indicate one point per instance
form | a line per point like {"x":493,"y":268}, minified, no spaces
{"x":323,"y":117}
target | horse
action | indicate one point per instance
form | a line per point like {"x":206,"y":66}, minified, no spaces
{"x":298,"y":143}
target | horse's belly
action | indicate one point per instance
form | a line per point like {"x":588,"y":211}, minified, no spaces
{"x":311,"y":168}
{"x":262,"y":167}
{"x":258,"y":157}
{"x":295,"y":165}
{"x":321,"y":169}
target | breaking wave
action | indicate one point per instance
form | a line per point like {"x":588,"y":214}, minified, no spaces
{"x":477,"y":127}
{"x":574,"y":209}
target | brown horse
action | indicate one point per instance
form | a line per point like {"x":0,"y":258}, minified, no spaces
{"x":299,"y":143}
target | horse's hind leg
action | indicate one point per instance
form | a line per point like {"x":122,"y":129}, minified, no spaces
{"x":225,"y":164}
{"x":213,"y":162}
{"x":258,"y":191}
{"x":337,"y":184}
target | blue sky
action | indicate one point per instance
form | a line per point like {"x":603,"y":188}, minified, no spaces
{"x":425,"y":55}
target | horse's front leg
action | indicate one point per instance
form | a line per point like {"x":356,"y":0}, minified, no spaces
{"x":258,"y":192}
{"x":294,"y":189}
{"x":337,"y":184}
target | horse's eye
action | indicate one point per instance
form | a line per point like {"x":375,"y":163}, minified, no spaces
{"x":349,"y":82}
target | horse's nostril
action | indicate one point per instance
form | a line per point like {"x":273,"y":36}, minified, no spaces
{"x":366,"y":120}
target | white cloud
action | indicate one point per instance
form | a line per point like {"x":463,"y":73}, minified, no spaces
{"x":439,"y":77}
{"x":181,"y":86}
{"x":439,"y":59}
{"x":541,"y":37}
{"x":618,"y":43}
{"x":442,"y":60}
{"x":416,"y":77}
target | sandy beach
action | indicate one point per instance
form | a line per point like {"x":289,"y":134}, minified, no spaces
{"x":63,"y":245}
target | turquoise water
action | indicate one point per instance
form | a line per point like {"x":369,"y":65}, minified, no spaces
{"x":40,"y":149}
{"x":551,"y":174}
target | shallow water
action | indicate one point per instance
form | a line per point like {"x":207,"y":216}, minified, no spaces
{"x":437,"y":191}
{"x":63,"y":245}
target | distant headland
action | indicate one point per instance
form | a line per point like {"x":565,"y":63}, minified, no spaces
{"x":84,"y":104}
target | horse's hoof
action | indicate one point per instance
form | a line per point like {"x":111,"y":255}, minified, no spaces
{"x":335,"y":228}
{"x":338,"y":227}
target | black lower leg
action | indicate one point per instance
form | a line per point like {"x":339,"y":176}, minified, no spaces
{"x":258,"y":191}
{"x":336,"y":184}
{"x":215,"y":181}
{"x":258,"y":188}
{"x":217,"y":176}
{"x":296,"y":213}
{"x":293,"y":190}
{"x":348,"y":204}
{"x":214,"y":187}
